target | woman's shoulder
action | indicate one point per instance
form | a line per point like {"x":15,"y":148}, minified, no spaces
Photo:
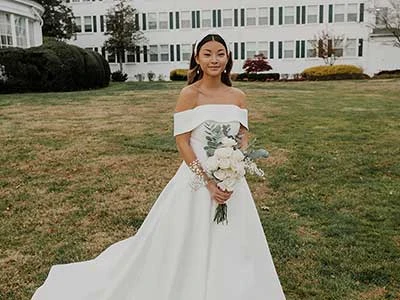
{"x":239,"y":96}
{"x":187,"y":98}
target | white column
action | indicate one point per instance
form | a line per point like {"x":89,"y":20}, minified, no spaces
{"x":27,"y":33}
{"x":13,"y":31}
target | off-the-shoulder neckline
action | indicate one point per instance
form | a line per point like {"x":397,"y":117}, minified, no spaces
{"x":214,"y":104}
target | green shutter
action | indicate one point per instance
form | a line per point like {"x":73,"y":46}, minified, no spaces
{"x":198,"y":19}
{"x":303,"y":49}
{"x":271,"y":16}
{"x":321,"y":14}
{"x":94,"y":24}
{"x":236,"y":50}
{"x":145,"y":58}
{"x":361,"y":12}
{"x":219,"y":18}
{"x":271,"y":50}
{"x":330,"y":20}
{"x":303,"y":14}
{"x":280,"y":15}
{"x":171,"y":20}
{"x":178,"y":52}
{"x":298,"y":12}
{"x":242,"y":17}
{"x":242,"y":51}
{"x":280,"y":49}
{"x":236,"y":17}
{"x":193,"y":19}
{"x":297,"y":49}
{"x":177,"y":22}
{"x":214,"y":18}
{"x":144,"y":21}
{"x":171,"y":52}
{"x":360,"y":47}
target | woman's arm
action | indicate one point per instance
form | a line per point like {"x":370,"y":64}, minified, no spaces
{"x":185,"y":102}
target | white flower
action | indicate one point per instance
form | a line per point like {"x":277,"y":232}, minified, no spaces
{"x":228,"y":184}
{"x":224,"y":152}
{"x":237,"y":155}
{"x":221,"y":174}
{"x":239,"y":168}
{"x":228,"y":142}
{"x":224,"y":163}
{"x":211,"y":163}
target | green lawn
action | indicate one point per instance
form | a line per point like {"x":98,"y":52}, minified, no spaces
{"x":79,"y":171}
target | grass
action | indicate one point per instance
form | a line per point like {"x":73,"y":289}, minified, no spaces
{"x":80,"y":171}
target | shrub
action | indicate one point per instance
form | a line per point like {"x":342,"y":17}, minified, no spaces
{"x":387,"y":74}
{"x":151,"y":75}
{"x":118,"y":76}
{"x":178,"y":75}
{"x":256,"y":77}
{"x":335,"y":72}
{"x":54,"y":66}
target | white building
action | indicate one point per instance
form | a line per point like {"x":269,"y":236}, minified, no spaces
{"x":283,"y":30}
{"x":20,"y":23}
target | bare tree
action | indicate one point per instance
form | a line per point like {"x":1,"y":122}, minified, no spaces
{"x":328,"y":46}
{"x":387,"y":20}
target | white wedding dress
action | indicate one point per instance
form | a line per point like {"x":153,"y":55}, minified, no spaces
{"x":179,"y":252}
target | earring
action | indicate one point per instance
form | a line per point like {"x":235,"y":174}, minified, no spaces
{"x":225,"y":71}
{"x":198,"y":72}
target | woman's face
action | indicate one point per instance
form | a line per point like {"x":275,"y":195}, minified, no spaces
{"x":212,"y":58}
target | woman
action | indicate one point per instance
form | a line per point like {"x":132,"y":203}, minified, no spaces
{"x":179,"y":252}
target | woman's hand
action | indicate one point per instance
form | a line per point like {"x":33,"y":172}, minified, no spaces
{"x":217,"y":194}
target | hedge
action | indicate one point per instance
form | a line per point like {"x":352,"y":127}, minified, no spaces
{"x":336,"y":72}
{"x":387,"y":74}
{"x":255,"y":76}
{"x":178,"y":75}
{"x":54,"y":66}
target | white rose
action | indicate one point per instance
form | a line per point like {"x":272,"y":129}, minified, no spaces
{"x":220,"y":174}
{"x":211,"y":163}
{"x":237,"y":155}
{"x":239,"y":168}
{"x":224,"y":163}
{"x":228,"y":184}
{"x":228,"y":142}
{"x":223,"y":152}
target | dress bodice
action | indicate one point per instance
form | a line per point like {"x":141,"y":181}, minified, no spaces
{"x":195,"y":120}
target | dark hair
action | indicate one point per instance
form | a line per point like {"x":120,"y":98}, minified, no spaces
{"x":196,"y":73}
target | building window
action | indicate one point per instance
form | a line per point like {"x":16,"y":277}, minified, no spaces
{"x":186,"y":52}
{"x":227,"y":20}
{"x":164,"y":52}
{"x":130,"y":57}
{"x":185,"y":19}
{"x":78,"y":24}
{"x":312,"y":14}
{"x":88,"y":23}
{"x":250,"y":50}
{"x":338,"y":51}
{"x":206,"y":18}
{"x":352,"y":9}
{"x":288,"y":51}
{"x":339,"y":13}
{"x":263,"y":16}
{"x":351,"y":47}
{"x":152,"y":21}
{"x":251,"y":16}
{"x":20,"y":30}
{"x":311,"y":48}
{"x":289,"y":14}
{"x":381,"y":15}
{"x":153,"y":53}
{"x":111,"y":57}
{"x":263,"y":48}
{"x":31,"y":32}
{"x":163,"y":20}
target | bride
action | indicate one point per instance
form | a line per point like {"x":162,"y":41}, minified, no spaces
{"x":179,"y":252}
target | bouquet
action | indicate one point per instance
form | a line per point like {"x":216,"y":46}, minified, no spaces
{"x":226,"y":163}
